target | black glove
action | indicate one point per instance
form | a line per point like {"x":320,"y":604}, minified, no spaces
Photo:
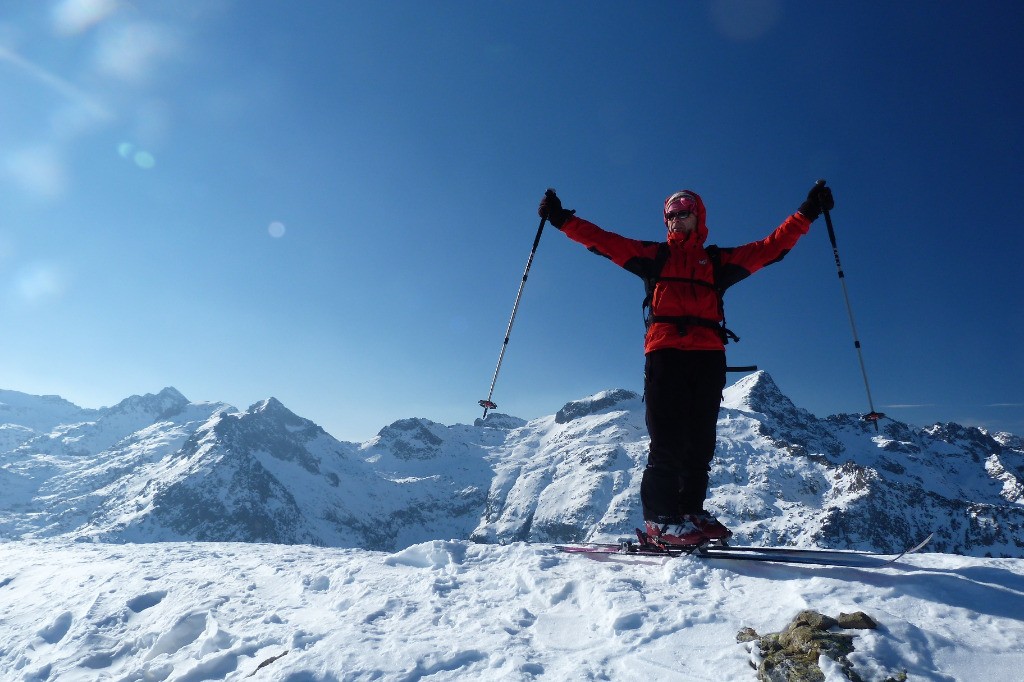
{"x":818,"y":199}
{"x":551,"y":208}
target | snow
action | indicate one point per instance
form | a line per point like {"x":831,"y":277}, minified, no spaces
{"x":104,"y":574}
{"x":454,"y":610}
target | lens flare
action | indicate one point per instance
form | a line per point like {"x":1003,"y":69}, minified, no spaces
{"x":140,"y":157}
{"x":144,"y":160}
{"x":276,"y":229}
{"x":77,"y":16}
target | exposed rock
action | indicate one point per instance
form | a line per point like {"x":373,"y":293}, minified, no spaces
{"x":816,"y":620}
{"x":792,"y":655}
{"x":857,"y":621}
{"x":747,"y":635}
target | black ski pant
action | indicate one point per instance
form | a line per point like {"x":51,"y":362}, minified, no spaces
{"x":683,"y":391}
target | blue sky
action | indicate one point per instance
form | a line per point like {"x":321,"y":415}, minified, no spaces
{"x":332,"y":203}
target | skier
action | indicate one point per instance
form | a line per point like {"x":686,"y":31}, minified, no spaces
{"x":684,"y":371}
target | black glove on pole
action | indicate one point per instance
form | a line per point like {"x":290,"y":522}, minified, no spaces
{"x":486,"y":403}
{"x":551,"y":208}
{"x":818,"y":199}
{"x":819,"y":191}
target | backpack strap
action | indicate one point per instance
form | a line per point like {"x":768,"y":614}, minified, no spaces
{"x":683,"y":322}
{"x":651,"y":281}
{"x":715,"y":254}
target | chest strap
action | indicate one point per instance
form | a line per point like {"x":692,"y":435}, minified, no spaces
{"x":683,"y":322}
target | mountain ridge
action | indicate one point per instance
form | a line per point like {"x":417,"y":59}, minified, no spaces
{"x":160,"y":468}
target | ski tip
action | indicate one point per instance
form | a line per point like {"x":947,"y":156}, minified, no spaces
{"x":921,"y":544}
{"x":916,"y":548}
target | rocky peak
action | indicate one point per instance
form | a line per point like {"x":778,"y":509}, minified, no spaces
{"x":39,"y":413}
{"x":497,"y":420}
{"x":599,"y":402}
{"x":268,"y":426}
{"x":272,"y":408}
{"x":970,"y":438}
{"x":164,"y":404}
{"x":757,"y":392}
{"x":410,"y":439}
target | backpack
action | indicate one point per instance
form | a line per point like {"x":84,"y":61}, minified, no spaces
{"x":684,"y":321}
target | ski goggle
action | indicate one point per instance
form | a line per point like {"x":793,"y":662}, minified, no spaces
{"x":680,"y":207}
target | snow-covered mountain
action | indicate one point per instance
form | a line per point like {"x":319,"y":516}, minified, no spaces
{"x":160,"y":468}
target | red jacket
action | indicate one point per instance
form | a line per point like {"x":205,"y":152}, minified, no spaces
{"x":688,"y":260}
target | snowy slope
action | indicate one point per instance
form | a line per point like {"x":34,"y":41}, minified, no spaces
{"x":447,"y":610}
{"x":572,"y":476}
{"x":159,"y":468}
{"x":39,"y":413}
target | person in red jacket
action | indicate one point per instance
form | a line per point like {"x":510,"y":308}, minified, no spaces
{"x":684,"y":371}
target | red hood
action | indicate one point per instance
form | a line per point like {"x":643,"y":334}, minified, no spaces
{"x":699,"y":235}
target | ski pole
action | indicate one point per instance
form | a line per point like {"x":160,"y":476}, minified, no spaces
{"x":871,"y":416}
{"x":486,"y":403}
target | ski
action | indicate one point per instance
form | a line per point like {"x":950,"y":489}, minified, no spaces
{"x":821,"y":557}
{"x":790,"y":555}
